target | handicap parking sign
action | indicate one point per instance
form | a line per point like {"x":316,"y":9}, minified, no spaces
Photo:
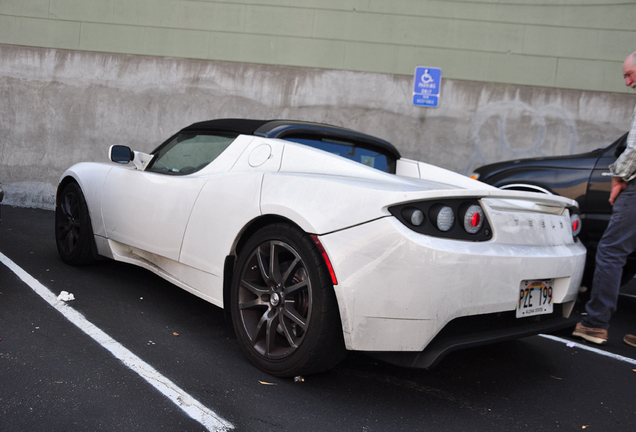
{"x":426,"y":86}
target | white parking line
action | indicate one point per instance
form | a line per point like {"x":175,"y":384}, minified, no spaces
{"x":589,"y":348}
{"x":208,"y":418}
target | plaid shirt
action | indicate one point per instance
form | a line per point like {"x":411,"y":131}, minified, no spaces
{"x":625,"y":165}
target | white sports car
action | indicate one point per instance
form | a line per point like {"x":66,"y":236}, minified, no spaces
{"x":319,"y":240}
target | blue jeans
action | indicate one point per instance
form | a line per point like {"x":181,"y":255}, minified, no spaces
{"x":618,"y":241}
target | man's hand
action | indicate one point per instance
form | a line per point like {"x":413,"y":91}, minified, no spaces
{"x":617,"y":187}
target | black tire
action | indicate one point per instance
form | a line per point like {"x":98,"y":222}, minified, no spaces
{"x":73,"y":229}
{"x":283,"y":305}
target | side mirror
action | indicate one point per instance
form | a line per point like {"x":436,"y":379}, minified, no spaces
{"x":120,"y":154}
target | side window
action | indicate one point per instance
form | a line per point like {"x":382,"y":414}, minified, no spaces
{"x":188,"y":153}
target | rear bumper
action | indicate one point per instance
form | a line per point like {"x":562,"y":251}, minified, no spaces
{"x":467,"y":332}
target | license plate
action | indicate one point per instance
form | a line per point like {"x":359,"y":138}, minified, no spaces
{"x":535,"y":298}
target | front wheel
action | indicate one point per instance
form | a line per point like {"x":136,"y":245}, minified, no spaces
{"x":284,"y":309}
{"x":73,"y":229}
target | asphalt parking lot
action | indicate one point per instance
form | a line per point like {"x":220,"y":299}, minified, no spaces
{"x":134,"y":353}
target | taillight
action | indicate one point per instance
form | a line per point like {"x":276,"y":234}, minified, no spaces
{"x":473,"y":219}
{"x":413,"y":215}
{"x":459,"y":218}
{"x":575,"y":220}
{"x":443,"y":217}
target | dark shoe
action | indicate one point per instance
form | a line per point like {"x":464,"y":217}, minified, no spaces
{"x":630,"y":340}
{"x":594,"y":335}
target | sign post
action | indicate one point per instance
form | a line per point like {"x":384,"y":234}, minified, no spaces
{"x":426,"y":86}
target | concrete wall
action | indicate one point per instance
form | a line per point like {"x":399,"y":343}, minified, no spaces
{"x":559,"y":44}
{"x":58,"y":107}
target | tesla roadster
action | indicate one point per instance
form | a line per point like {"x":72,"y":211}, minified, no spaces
{"x":319,"y":240}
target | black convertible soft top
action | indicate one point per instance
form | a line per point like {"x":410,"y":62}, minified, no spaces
{"x":288,"y":129}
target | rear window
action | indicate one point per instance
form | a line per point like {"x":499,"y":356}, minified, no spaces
{"x":355,"y":151}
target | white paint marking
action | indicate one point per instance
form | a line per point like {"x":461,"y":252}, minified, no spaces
{"x":208,"y":418}
{"x":589,"y":348}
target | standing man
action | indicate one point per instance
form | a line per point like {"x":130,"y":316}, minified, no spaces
{"x":619,"y":239}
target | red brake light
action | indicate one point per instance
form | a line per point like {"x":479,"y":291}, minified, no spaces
{"x":475,"y":220}
{"x":576,"y":224}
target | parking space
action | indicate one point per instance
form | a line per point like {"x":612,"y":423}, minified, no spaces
{"x":54,"y":376}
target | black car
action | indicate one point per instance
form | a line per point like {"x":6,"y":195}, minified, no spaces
{"x":584,"y":177}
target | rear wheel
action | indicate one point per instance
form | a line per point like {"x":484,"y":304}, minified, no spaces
{"x":284,"y":309}
{"x":73,"y":229}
